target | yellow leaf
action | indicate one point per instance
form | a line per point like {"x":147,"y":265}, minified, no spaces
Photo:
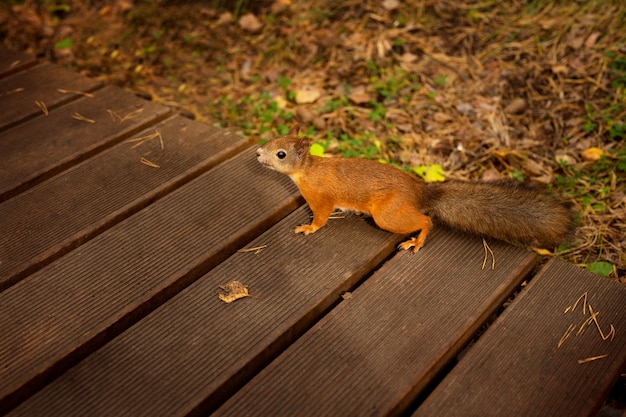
{"x":543,"y":252}
{"x":430,"y":173}
{"x":316,"y":149}
{"x":592,"y":154}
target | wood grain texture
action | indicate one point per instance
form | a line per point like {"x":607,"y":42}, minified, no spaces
{"x":41,"y":83}
{"x":59,"y":214}
{"x":44,"y":146}
{"x":195,"y":350}
{"x":517,"y":367}
{"x":376,"y":351}
{"x":73,"y":306}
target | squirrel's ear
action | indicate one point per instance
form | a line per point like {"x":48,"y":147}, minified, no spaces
{"x":303,"y":145}
{"x":295,"y":129}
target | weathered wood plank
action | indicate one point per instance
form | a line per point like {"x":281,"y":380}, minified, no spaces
{"x":44,"y":146}
{"x":194,"y":350}
{"x":54,"y":217}
{"x":375,"y":352}
{"x":12,"y":62}
{"x":41,"y":83}
{"x":517,"y":367}
{"x":73,"y":306}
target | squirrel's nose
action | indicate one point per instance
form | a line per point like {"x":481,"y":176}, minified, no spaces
{"x":258,"y":152}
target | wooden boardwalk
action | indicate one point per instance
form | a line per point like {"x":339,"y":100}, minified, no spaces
{"x":120,"y":221}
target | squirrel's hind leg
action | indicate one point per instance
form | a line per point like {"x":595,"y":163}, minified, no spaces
{"x":404,"y":220}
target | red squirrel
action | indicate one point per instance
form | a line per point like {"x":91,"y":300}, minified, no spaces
{"x":401,"y":203}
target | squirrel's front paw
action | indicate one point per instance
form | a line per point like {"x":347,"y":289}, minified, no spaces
{"x":305,"y":228}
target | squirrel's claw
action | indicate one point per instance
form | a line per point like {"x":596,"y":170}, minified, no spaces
{"x":305,"y":228}
{"x":414,"y":243}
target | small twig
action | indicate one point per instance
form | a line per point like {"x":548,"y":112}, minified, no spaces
{"x":116,"y":117}
{"x":15,"y":90}
{"x":149,"y":163}
{"x":256,"y":249}
{"x":80,"y":93}
{"x":141,"y":140}
{"x":585,"y":324}
{"x":593,"y":358}
{"x":131,"y":115}
{"x":493,"y":257}
{"x":566,"y":335}
{"x":79,"y":116}
{"x":594,"y":317}
{"x":42,"y":106}
{"x":572,"y":308}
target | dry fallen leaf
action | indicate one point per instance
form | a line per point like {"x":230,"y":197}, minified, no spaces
{"x":250,"y":23}
{"x":225,"y":18}
{"x":565,"y":159}
{"x":592,"y":39}
{"x":307,"y":95}
{"x":441,"y":117}
{"x":491,"y":174}
{"x":391,"y":4}
{"x":234,"y":290}
{"x":382,"y":47}
{"x":534,"y":167}
{"x":358,"y":95}
{"x":305,"y":115}
{"x":280,"y":6}
{"x":547,"y":24}
{"x":544,"y":179}
{"x":408,"y":57}
{"x":516,"y":106}
{"x":559,"y":69}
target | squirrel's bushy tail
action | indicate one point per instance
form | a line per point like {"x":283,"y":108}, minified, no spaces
{"x":502,"y":209}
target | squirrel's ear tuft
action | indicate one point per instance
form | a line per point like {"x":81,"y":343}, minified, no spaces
{"x":295,"y":129}
{"x":303,"y":145}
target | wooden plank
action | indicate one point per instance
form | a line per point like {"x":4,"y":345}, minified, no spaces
{"x":12,"y":62}
{"x":517,"y":367}
{"x":194,"y":350}
{"x":61,"y":140}
{"x":56,"y":216}
{"x":376,"y":351}
{"x":40,"y":83}
{"x":75,"y":305}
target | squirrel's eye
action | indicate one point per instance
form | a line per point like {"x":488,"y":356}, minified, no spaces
{"x":281,"y":154}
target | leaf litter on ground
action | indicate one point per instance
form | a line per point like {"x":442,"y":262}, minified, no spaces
{"x":531,"y":91}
